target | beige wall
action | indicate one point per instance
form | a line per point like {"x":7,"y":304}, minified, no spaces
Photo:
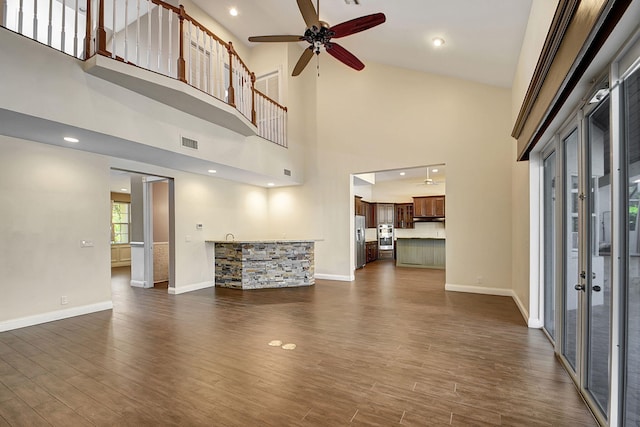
{"x":384,"y":118}
{"x":52,"y":199}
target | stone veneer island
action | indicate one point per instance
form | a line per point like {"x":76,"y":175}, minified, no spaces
{"x":264,"y":264}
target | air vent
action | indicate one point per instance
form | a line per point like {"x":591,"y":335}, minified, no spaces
{"x":189,"y":143}
{"x":287,"y":172}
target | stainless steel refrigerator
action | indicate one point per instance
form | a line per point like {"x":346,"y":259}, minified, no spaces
{"x":360,"y":241}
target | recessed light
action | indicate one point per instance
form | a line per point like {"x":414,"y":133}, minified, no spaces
{"x":402,"y":174}
{"x":434,"y":170}
{"x":124,"y":189}
{"x":270,"y":184}
{"x":212,"y":171}
{"x":233,"y":11}
{"x":70,"y":139}
{"x":438,"y":41}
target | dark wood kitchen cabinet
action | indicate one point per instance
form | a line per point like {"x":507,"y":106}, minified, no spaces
{"x":404,"y":215}
{"x":428,"y":207}
{"x":385,"y":213}
{"x":371,"y":217}
{"x":359,"y":205}
{"x":372,"y":251}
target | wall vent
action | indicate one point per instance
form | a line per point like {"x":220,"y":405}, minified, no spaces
{"x":287,"y":172}
{"x":189,"y":143}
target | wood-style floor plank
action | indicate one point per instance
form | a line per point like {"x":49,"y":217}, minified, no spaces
{"x":391,"y":348}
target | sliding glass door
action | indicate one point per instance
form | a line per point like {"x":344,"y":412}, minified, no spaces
{"x":570,"y":241}
{"x":596,"y":287}
{"x":549,"y":230}
{"x":631,"y":354}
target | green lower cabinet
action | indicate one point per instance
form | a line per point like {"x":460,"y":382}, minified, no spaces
{"x":422,"y":253}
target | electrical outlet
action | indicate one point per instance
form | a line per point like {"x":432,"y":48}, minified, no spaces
{"x":64,"y":300}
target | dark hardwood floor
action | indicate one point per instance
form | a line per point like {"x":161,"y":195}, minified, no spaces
{"x":391,"y":348}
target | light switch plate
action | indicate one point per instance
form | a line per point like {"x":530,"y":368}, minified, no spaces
{"x":199,"y":226}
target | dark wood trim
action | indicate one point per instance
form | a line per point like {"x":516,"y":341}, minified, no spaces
{"x":591,"y":24}
{"x":561,"y":19}
{"x":102,"y":33}
{"x":88,"y":32}
{"x":182,"y":71}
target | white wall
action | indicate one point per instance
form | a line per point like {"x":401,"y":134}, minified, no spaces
{"x":52,"y":199}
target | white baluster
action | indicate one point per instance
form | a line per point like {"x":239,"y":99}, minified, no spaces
{"x":148,"y":34}
{"x":190,"y":64}
{"x":137,"y":32}
{"x":198,"y":63}
{"x":35,"y":19}
{"x":20,"y":17}
{"x":113,"y":27}
{"x":63,"y":34}
{"x":126,"y":30}
{"x":170,"y":59}
{"x":75,"y":32}
{"x":160,"y":47}
{"x":50,"y":25}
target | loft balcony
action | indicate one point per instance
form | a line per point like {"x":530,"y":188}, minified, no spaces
{"x":157,"y":50}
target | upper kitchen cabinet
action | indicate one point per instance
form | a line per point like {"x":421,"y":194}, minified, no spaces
{"x":371,"y":216}
{"x":428,"y":207}
{"x":385,"y":213}
{"x":404,"y":215}
{"x":360,"y":207}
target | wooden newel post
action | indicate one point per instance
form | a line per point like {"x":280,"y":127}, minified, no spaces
{"x":254,"y":119}
{"x":182,"y":68}
{"x":102,"y":34}
{"x":232,"y":95}
{"x":88,"y":32}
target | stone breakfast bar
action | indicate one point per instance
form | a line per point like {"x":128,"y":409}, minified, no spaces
{"x":263,"y":264}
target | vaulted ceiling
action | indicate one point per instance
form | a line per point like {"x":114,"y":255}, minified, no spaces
{"x":482,"y":37}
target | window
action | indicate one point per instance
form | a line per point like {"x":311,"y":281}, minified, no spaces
{"x":120,"y":219}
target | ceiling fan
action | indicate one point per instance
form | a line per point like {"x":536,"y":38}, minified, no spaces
{"x":430,"y":181}
{"x":319,"y":34}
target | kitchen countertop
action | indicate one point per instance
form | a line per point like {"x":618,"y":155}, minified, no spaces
{"x":420,"y":238}
{"x":262,"y":241}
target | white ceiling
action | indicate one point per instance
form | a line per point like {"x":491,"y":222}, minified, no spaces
{"x":482,"y":37}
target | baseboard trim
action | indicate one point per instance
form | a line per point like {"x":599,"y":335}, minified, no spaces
{"x":191,"y":288}
{"x":478,"y":290}
{"x":337,"y":277}
{"x":138,"y":283}
{"x":23,"y":322}
{"x":531,"y":323}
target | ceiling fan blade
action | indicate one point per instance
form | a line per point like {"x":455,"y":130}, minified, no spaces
{"x":309,"y":13}
{"x":302,"y":62}
{"x":271,"y":39}
{"x":356,"y":25}
{"x":344,"y":56}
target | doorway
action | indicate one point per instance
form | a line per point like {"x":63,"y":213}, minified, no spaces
{"x":142,"y":224}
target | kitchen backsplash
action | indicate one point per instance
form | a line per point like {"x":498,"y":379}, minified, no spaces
{"x":422,"y":229}
{"x":371,"y":235}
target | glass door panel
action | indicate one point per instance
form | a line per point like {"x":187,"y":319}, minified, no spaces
{"x":549,"y":228}
{"x":598,"y":278}
{"x":631,"y":114}
{"x":570,"y":250}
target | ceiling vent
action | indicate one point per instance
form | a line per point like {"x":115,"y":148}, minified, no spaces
{"x":189,"y":143}
{"x":287,"y":172}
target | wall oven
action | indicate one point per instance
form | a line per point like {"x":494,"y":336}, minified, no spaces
{"x":385,"y":237}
